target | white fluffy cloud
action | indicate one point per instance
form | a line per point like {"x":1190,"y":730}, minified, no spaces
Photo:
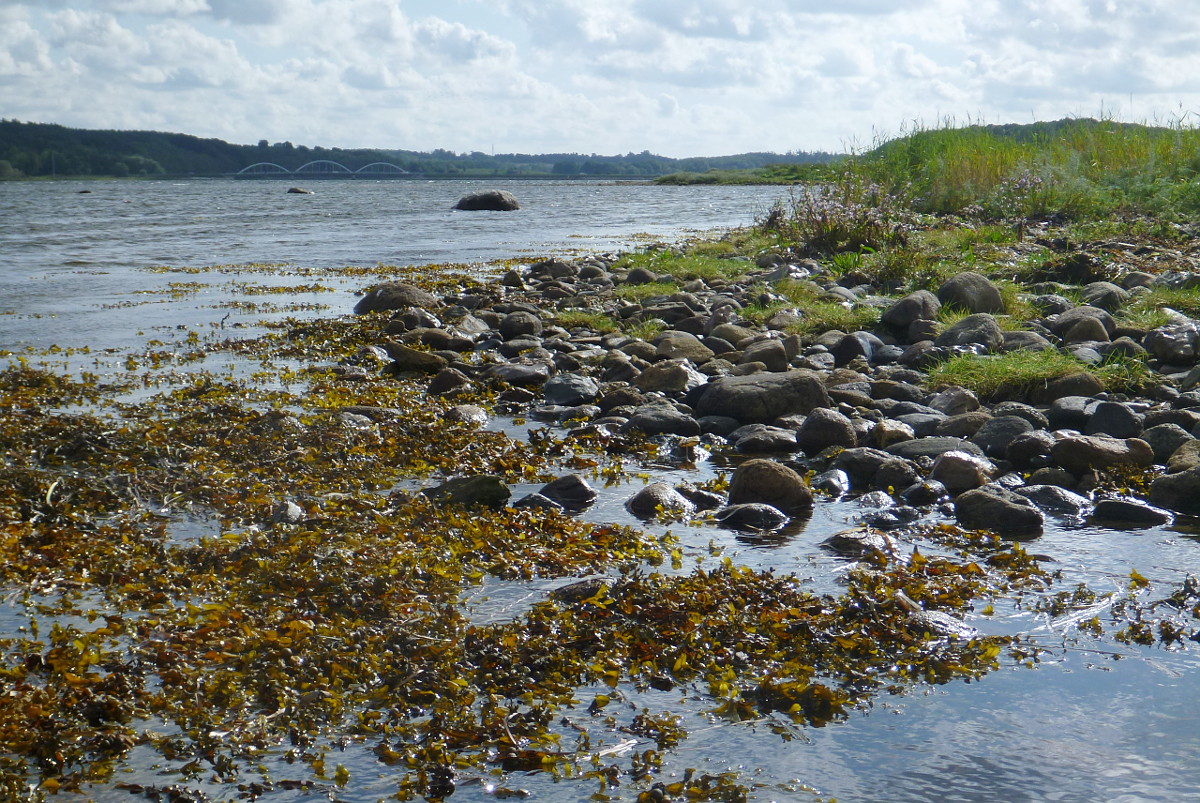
{"x":679,"y":77}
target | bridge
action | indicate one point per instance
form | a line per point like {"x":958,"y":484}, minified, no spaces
{"x":322,"y":168}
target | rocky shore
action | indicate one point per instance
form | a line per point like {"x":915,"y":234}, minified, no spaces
{"x":835,"y":412}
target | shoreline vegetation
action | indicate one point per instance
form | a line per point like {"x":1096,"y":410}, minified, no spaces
{"x":983,"y":331}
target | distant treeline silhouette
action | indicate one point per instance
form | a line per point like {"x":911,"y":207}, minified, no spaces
{"x":46,"y":149}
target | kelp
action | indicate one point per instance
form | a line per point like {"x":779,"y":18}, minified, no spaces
{"x":321,"y":606}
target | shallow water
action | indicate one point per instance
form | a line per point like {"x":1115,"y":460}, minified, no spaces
{"x":1079,"y":726}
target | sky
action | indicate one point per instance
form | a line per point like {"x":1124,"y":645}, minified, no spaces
{"x":675,"y":77}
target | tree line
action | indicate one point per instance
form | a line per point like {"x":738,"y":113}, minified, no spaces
{"x":29,"y":150}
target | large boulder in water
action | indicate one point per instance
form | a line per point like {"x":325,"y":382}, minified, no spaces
{"x":488,"y":201}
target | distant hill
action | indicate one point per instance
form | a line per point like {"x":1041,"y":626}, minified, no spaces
{"x":45,"y":149}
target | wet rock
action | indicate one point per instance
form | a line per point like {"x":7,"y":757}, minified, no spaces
{"x":823,"y":428}
{"x":933,"y":447}
{"x":571,"y":491}
{"x":834,"y":482}
{"x":924,"y":493}
{"x":860,"y":542}
{"x":570,"y":390}
{"x":662,"y":418}
{"x":980,"y":328}
{"x":1123,"y":512}
{"x":972,"y":292}
{"x":658,"y":499}
{"x":889,"y":431}
{"x":763,"y":438}
{"x":580,"y":591}
{"x":520,"y":374}
{"x":1055,"y":499}
{"x":482,"y":490}
{"x":1179,"y":491}
{"x":772,"y":483}
{"x":488,"y":201}
{"x":861,"y":464}
{"x":1086,"y":452}
{"x":761,"y":398}
{"x":1031,"y":414}
{"x":1069,"y":412}
{"x":537,"y":501}
{"x":406,"y":359}
{"x":960,"y":471}
{"x":751,"y":516}
{"x":964,"y":425}
{"x":394,"y":295}
{"x":467,"y":414}
{"x":992,"y":507}
{"x":894,"y":473}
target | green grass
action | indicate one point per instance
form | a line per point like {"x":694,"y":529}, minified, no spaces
{"x":586,"y":319}
{"x":641,"y":292}
{"x":818,"y":314}
{"x":699,"y":262}
{"x":1024,"y":371}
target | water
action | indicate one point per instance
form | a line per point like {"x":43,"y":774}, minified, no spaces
{"x":1080,"y":726}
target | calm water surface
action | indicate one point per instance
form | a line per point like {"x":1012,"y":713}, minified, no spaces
{"x":1080,"y":726}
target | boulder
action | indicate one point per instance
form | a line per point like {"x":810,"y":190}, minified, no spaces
{"x":394,"y":296}
{"x":488,"y":201}
{"x":978,"y":329}
{"x":761,"y":398}
{"x":481,"y":490}
{"x":682,"y":346}
{"x":771,"y":483}
{"x":921,"y":305}
{"x":1123,"y":512}
{"x":571,"y":491}
{"x":992,"y":507}
{"x":823,"y":428}
{"x":959,"y":471}
{"x":755,"y":516}
{"x":1086,"y":452}
{"x":570,"y":390}
{"x":406,"y":359}
{"x":670,"y":376}
{"x":971,"y":291}
{"x":1053,"y":499}
{"x":997,"y":433}
{"x":658,"y":499}
{"x":662,"y":418}
{"x":1179,"y":492}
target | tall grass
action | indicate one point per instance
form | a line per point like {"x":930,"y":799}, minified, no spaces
{"x":1079,"y":168}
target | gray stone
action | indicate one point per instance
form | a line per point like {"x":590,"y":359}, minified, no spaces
{"x":1069,"y":412}
{"x":823,"y":428}
{"x":960,"y":471}
{"x":1030,"y":449}
{"x":1055,"y":499}
{"x":1077,"y":384}
{"x":481,"y":490}
{"x":998,"y":509}
{"x":662,"y":418}
{"x":861,"y":464}
{"x":571,"y":491}
{"x":570,"y":390}
{"x":520,"y":324}
{"x":1061,"y":324}
{"x":921,"y":305}
{"x":751,"y":516}
{"x":1022,"y":410}
{"x":933,"y":447}
{"x":520,"y":374}
{"x":770,"y":353}
{"x":761,"y":398}
{"x":972,"y":292}
{"x":1186,"y":456}
{"x":1179,"y":492}
{"x":833,"y":482}
{"x":1022,"y":340}
{"x":1114,"y":419}
{"x":682,"y":346}
{"x":1129,"y":513}
{"x":980,"y":328}
{"x":1087,"y":452}
{"x":394,"y":295}
{"x":860,"y":542}
{"x":488,"y":201}
{"x":1174,"y":344}
{"x":406,"y":359}
{"x":772,"y":483}
{"x":953,"y":401}
{"x":659,"y":499}
{"x":670,"y":376}
{"x":1105,"y":295}
{"x":763,"y":438}
{"x":997,"y":433}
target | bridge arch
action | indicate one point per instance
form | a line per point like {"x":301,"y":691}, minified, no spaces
{"x":381,"y":167}
{"x":323,"y":166}
{"x":264,"y":168}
